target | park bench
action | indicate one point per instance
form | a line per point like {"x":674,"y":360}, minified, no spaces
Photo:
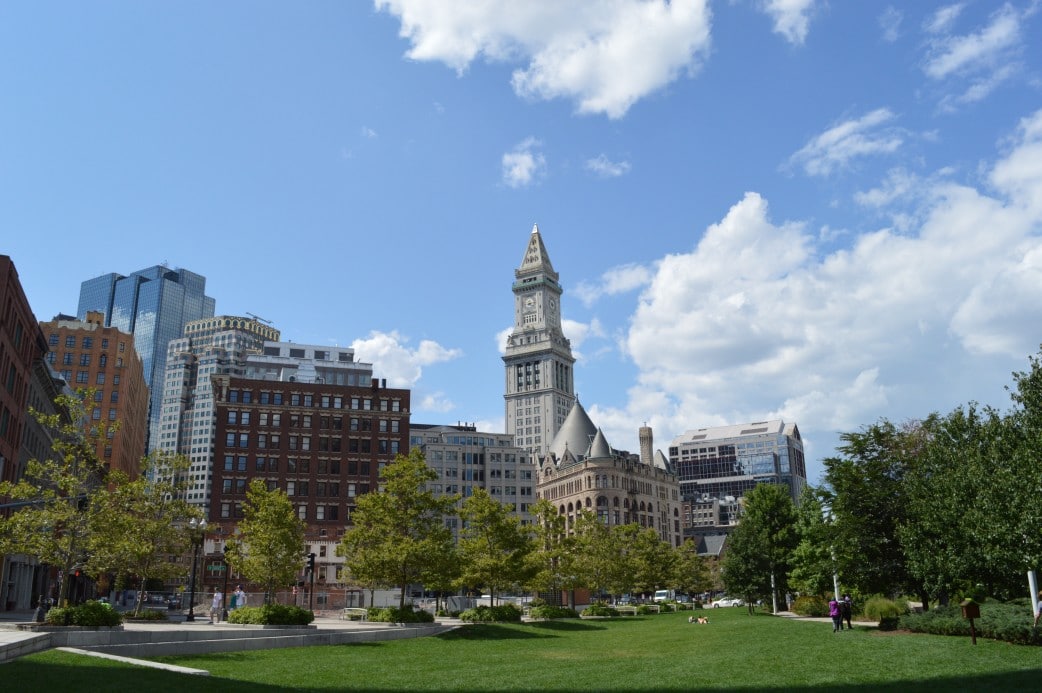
{"x":354,"y":614}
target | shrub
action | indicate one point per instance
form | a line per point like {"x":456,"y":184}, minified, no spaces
{"x":810,"y":605}
{"x":392,"y":614}
{"x":550,"y":611}
{"x":504,"y":613}
{"x":600,"y":609}
{"x":644,"y":609}
{"x":89,"y":613}
{"x":148,"y":615}
{"x":878,"y":608}
{"x":666,"y":607}
{"x":272,"y":615}
{"x":1010,"y":622}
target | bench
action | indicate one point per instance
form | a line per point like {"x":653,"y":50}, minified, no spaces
{"x":354,"y":614}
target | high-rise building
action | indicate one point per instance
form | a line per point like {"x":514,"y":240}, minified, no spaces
{"x":89,"y":355}
{"x":154,"y":305}
{"x":209,"y":347}
{"x":716,"y":466}
{"x":581,"y":471}
{"x":313,"y":422}
{"x":539,"y":364}
{"x":466,"y":459}
{"x":21,"y":344}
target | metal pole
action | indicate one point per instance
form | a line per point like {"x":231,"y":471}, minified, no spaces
{"x":191,"y":598}
{"x":311,"y":594}
{"x":224,"y":594}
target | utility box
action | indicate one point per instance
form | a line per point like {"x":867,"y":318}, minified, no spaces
{"x":970,"y":609}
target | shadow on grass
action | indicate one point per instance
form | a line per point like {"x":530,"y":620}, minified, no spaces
{"x":26,"y":675}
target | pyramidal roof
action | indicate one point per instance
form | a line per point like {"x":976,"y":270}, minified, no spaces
{"x":661,"y":461}
{"x":575,"y":435}
{"x":536,"y":258}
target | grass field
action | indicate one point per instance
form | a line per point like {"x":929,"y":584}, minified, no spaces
{"x":653,"y":653}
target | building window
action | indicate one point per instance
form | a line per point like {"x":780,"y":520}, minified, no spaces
{"x":70,"y":342}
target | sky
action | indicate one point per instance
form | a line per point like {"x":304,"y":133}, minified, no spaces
{"x":824,"y":212}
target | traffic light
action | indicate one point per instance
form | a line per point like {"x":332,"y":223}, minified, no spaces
{"x":311,"y":563}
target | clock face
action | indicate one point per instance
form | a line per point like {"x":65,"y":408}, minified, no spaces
{"x":529,"y":303}
{"x":553,"y":304}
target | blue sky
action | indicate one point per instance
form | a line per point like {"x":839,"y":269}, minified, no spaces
{"x":826,"y":212}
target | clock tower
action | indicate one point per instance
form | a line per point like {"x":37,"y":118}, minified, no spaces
{"x":539,"y":363}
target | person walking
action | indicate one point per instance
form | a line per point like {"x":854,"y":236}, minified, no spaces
{"x":835,"y":615}
{"x":238,"y":598}
{"x":846,"y":609}
{"x":1038,"y":609}
{"x":216,"y":605}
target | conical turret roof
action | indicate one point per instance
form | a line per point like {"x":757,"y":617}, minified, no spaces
{"x":575,"y":435}
{"x":599,"y":448}
{"x":536,"y":259}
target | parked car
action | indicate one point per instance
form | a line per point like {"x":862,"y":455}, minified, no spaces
{"x":727,"y":601}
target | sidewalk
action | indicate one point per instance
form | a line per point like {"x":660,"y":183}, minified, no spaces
{"x":825,"y":619}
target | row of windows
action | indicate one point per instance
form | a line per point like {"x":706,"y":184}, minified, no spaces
{"x":293,"y":465}
{"x":298,"y":487}
{"x":86,"y":342}
{"x":336,"y":423}
{"x":322,"y":512}
{"x":297,"y":399}
{"x":273,"y":441}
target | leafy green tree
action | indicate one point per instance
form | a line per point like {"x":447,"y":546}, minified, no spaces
{"x":595,"y":555}
{"x":269,"y":548}
{"x":868,"y":502}
{"x":399,"y":530}
{"x":137,"y":525}
{"x":690,"y":571}
{"x":493,"y":545}
{"x":760,"y":553}
{"x":646,"y":562}
{"x":549,"y":561}
{"x":54,"y":520}
{"x":813,"y":566}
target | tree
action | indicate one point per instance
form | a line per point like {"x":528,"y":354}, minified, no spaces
{"x":549,"y":572}
{"x":399,"y":530}
{"x":690,"y":571}
{"x":647,"y":562}
{"x":760,"y":552}
{"x":53,"y":519}
{"x":493,"y":545}
{"x":594,"y":559}
{"x":269,"y":549}
{"x":138,"y":524}
{"x":813,"y":566}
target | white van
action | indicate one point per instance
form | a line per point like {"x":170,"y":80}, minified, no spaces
{"x":664,"y":595}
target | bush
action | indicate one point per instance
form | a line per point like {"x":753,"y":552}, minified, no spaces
{"x":392,"y":614}
{"x":810,"y":605}
{"x":271,"y":615}
{"x":878,"y":608}
{"x":550,"y":611}
{"x":148,"y":615}
{"x":1009,"y":622}
{"x":504,"y":613}
{"x":600,"y":609}
{"x":89,"y":613}
{"x":644,"y":609}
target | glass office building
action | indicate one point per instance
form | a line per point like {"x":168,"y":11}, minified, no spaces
{"x":154,"y":305}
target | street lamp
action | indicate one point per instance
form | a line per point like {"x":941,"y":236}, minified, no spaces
{"x":197,"y":530}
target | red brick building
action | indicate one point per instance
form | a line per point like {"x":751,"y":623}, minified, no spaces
{"x":89,"y":355}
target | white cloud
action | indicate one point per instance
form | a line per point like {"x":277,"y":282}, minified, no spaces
{"x":603,"y":54}
{"x":434,"y":402}
{"x":369,"y":133}
{"x":942,"y":20}
{"x":762,"y":320}
{"x":393,"y":359}
{"x":791,"y":18}
{"x":890,"y":22}
{"x":616,"y":280}
{"x":838,"y":146}
{"x":976,"y":51}
{"x":524,"y":164}
{"x":606,"y":168}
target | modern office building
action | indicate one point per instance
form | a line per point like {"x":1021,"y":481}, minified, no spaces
{"x":312,"y":421}
{"x":208,"y":347}
{"x":154,"y":305}
{"x":539,"y":364}
{"x":716,"y":466}
{"x":89,"y":355}
{"x":581,"y":471}
{"x":466,"y":459}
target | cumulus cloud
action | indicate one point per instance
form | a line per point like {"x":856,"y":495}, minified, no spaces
{"x":837,"y":147}
{"x":616,"y":280}
{"x":943,"y":18}
{"x":791,"y":18}
{"x":395,"y":360}
{"x":605,"y":55}
{"x":761,"y":320}
{"x":523,"y":164}
{"x":434,"y":402}
{"x":606,"y":168}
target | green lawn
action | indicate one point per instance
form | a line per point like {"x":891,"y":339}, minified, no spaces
{"x":653,"y":653}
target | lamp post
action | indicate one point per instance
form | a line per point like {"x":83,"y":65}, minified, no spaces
{"x":224,"y":594}
{"x":197,"y":530}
